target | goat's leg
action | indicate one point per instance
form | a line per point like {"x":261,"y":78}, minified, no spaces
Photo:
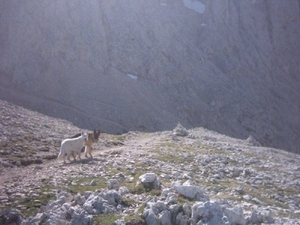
{"x":74,"y":155}
{"x":68,"y":156}
{"x":79,"y":153}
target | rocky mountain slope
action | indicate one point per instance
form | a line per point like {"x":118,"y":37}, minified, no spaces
{"x":229,"y":66}
{"x":172,"y":177}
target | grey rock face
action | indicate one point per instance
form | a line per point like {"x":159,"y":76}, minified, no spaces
{"x":209,"y":212}
{"x":229,"y":66}
{"x":113,"y":184}
{"x":179,"y":130}
{"x":94,"y":204}
{"x":10,"y":216}
{"x":191,"y":191}
{"x":150,"y":181}
{"x":76,"y":210}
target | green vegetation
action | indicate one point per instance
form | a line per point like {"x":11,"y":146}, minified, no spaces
{"x":81,"y":185}
{"x":127,"y":201}
{"x":289,"y":215}
{"x":33,"y":205}
{"x":182,"y":200}
{"x":106,"y":219}
{"x":133,"y":218}
{"x":135,"y":187}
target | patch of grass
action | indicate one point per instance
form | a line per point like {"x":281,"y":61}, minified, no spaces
{"x":175,"y":154}
{"x":225,"y":186}
{"x":229,"y":197}
{"x":118,"y":138}
{"x":136,"y":189}
{"x":139,"y":189}
{"x":134,"y":219}
{"x":127,"y":202}
{"x":81,"y":185}
{"x":261,"y":192}
{"x":289,"y":215}
{"x":32,"y":206}
{"x":182,"y":200}
{"x":272,"y":202}
{"x":207,"y":149}
{"x":249,"y":154}
{"x":106,"y":219}
{"x":141,"y":208}
{"x":114,"y":140}
{"x":111,"y":172}
{"x":131,"y":184}
{"x":290,"y":191}
{"x":179,"y":153}
{"x":169,"y":157}
{"x":154,"y":192}
{"x":168,"y":144}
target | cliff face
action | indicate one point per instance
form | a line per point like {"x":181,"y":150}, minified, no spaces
{"x":230,"y":66}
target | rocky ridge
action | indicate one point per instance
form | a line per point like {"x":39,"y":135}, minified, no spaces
{"x":182,"y":176}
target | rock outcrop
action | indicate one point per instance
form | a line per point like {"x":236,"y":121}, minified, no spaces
{"x":229,"y":66}
{"x":142,"y":178}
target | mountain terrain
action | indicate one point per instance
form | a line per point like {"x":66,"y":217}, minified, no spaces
{"x":232,"y":181}
{"x":225,"y":65}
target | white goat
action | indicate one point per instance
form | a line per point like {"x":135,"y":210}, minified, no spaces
{"x":72,"y":146}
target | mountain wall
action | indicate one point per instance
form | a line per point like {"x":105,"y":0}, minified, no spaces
{"x":226,"y":65}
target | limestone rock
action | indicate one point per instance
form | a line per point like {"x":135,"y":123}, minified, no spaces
{"x":94,"y":204}
{"x":79,"y":216}
{"x":10,"y":216}
{"x":252,"y":141}
{"x":191,"y":191}
{"x":165,"y":217}
{"x":150,"y":181}
{"x":179,"y":130}
{"x":112,"y":197}
{"x":235,"y":215}
{"x":208,"y":212}
{"x":113,"y":184}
